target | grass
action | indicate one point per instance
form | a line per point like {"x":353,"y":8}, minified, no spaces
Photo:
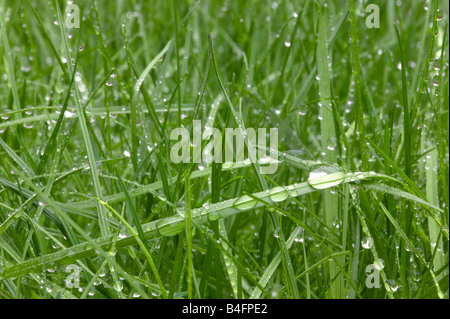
{"x":85,"y":170}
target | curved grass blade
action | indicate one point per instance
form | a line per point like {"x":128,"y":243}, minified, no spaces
{"x":256,"y":293}
{"x":173,"y":225}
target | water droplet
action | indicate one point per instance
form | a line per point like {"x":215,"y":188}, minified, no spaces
{"x":379,"y":264}
{"x":278,"y":194}
{"x":367,"y":243}
{"x":437,"y":64}
{"x":302,"y":109}
{"x":118,"y":285}
{"x":331,"y":143}
{"x":436,"y":80}
{"x":299,"y":237}
{"x":320,"y":179}
{"x":5,"y":117}
{"x":122,"y":235}
{"x":170,"y":227}
{"x":276,"y":233}
{"x":214,"y":216}
{"x":69,"y":114}
{"x":244,"y":202}
{"x":393,"y":286}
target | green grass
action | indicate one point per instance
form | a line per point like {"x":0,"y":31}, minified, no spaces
{"x":85,"y":170}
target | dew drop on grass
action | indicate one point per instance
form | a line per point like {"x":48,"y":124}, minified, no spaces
{"x":68,"y":114}
{"x":214,"y":216}
{"x":278,"y":194}
{"x":302,"y":110}
{"x":118,"y":285}
{"x":276,"y":233}
{"x":244,"y":202}
{"x":299,"y":237}
{"x":319,"y":179}
{"x":437,"y":64}
{"x":169,"y":228}
{"x":5,"y":117}
{"x":393,"y":286}
{"x":379,"y":264}
{"x":293,"y":192}
{"x":316,"y":174}
{"x":331,"y":143}
{"x":436,"y":80}
{"x":367,"y":243}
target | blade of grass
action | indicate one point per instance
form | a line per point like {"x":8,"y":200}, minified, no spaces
{"x":331,"y":208}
